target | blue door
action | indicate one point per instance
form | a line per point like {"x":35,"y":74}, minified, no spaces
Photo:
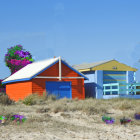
{"x":59,"y":89}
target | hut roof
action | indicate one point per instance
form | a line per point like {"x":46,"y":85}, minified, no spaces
{"x":89,"y":65}
{"x":103,"y":65}
{"x":32,"y":70}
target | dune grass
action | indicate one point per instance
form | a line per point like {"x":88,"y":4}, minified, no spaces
{"x":35,"y":106}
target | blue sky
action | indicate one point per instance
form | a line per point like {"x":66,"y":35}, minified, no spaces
{"x":78,"y":30}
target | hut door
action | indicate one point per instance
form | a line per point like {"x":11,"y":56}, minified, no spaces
{"x":59,"y":89}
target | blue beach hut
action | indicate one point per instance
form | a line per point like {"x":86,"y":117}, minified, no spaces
{"x":109,"y":79}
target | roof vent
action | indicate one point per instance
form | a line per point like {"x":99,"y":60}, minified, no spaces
{"x":114,"y":67}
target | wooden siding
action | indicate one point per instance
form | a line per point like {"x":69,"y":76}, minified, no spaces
{"x":78,"y":90}
{"x":52,"y":71}
{"x":38,"y":85}
{"x":77,"y":86}
{"x":67,"y":72}
{"x":19,"y":90}
{"x":114,"y":77}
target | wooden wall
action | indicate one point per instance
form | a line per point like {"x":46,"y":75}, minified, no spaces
{"x":19,"y":90}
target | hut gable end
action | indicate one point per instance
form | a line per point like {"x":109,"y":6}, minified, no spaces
{"x":114,"y":66}
{"x":53,"y":71}
{"x":68,"y":72}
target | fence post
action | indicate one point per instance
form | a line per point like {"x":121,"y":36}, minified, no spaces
{"x":103,"y":89}
{"x":135,"y":89}
{"x":110,"y":89}
{"x":118,"y":89}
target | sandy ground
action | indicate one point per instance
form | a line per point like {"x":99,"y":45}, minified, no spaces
{"x":68,"y":126}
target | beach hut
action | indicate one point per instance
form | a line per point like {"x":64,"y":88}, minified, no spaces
{"x":109,"y":79}
{"x":55,"y":76}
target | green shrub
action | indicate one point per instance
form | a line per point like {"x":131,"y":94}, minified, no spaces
{"x":35,"y":98}
{"x":5,"y":100}
{"x":29,"y":100}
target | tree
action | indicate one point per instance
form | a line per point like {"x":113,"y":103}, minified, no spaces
{"x":17,"y":58}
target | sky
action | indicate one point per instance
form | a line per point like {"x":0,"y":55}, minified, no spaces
{"x":80,"y":31}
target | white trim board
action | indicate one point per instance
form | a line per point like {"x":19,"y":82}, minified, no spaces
{"x":59,"y":77}
{"x":60,"y":69}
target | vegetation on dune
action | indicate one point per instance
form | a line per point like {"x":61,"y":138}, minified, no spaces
{"x":5,"y":100}
{"x":45,"y":105}
{"x":36,"y":99}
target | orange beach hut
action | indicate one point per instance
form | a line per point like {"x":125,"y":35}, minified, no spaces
{"x":55,"y":76}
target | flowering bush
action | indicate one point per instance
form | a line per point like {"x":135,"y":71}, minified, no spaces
{"x":108,"y":120}
{"x":2,"y":119}
{"x":22,"y":54}
{"x":18,"y":118}
{"x":124,"y":120}
{"x":137,"y":116}
{"x":16,"y":58}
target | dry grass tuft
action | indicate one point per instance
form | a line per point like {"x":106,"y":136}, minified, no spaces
{"x":30,"y":100}
{"x":5,"y":100}
{"x":125,"y":106}
{"x":50,"y":97}
{"x":42,"y":110}
{"x":36,"y":99}
{"x":88,"y":106}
